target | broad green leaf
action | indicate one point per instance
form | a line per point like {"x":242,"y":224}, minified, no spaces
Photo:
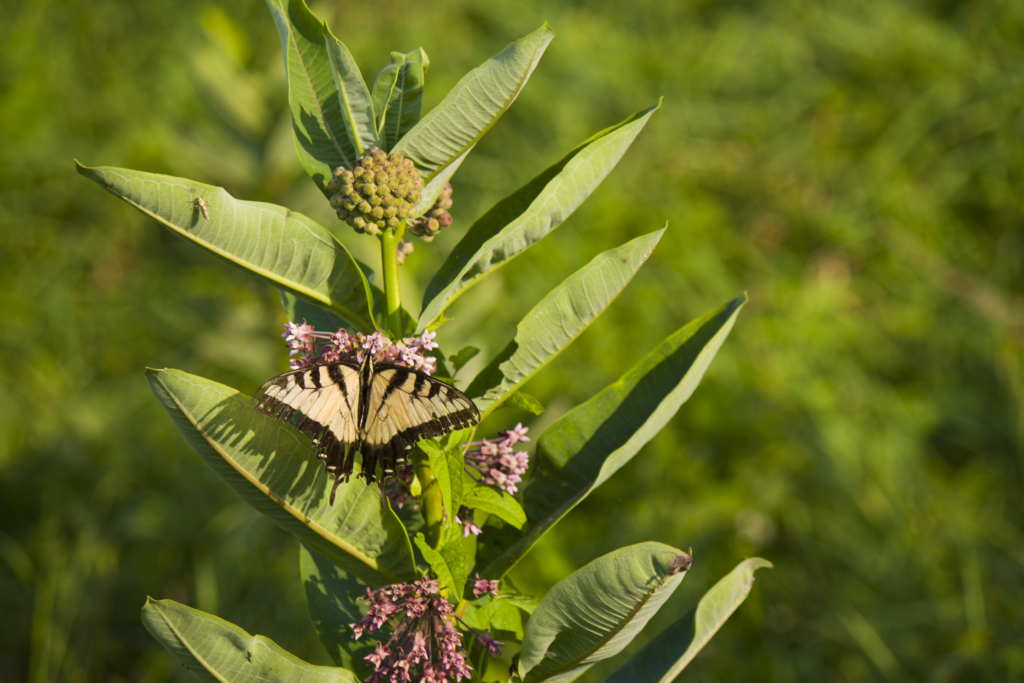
{"x":356,"y":105}
{"x":217,"y":651}
{"x":398,"y":96}
{"x":595,"y":612}
{"x":447,"y":463}
{"x":320,"y":126}
{"x":464,"y":355}
{"x":591,"y":442}
{"x":523,"y":218}
{"x":495,"y":502}
{"x":558,"y":319}
{"x":441,"y":140}
{"x":524,"y":401}
{"x":287,"y":249}
{"x":438,"y":563}
{"x":661,"y":660}
{"x":331,"y":596}
{"x":270,"y":465}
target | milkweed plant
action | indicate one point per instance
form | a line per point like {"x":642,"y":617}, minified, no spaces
{"x":414,"y":585}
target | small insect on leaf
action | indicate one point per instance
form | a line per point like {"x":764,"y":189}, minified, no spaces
{"x":202,"y":207}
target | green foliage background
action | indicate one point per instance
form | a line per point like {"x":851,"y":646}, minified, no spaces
{"x":856,"y":167}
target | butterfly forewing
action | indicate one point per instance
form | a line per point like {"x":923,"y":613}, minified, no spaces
{"x":380,"y":410}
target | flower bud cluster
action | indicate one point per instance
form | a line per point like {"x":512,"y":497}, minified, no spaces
{"x":378,"y":194}
{"x":424,"y":642}
{"x":429,"y":224}
{"x":309,"y":346}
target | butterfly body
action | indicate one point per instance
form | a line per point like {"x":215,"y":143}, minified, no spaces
{"x":377,"y":409}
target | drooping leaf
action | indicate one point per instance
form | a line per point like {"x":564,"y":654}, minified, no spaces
{"x":447,"y":463}
{"x":217,"y":651}
{"x":464,"y":355}
{"x":287,"y":249}
{"x":441,"y":140}
{"x":495,"y":502}
{"x":584,"y":447}
{"x":398,"y":96}
{"x":331,"y":597}
{"x":356,"y":104}
{"x":524,"y":401}
{"x":661,"y":660}
{"x":526,"y":216}
{"x":437,"y":562}
{"x":595,"y":612}
{"x":323,"y":138}
{"x":270,"y":465}
{"x":558,"y":319}
{"x":455,"y":558}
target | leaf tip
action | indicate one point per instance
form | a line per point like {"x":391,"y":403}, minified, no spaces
{"x":680,"y":563}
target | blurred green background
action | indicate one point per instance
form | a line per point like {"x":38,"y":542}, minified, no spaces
{"x":856,"y":167}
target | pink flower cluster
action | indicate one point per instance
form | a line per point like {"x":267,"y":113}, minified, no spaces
{"x":309,"y":346}
{"x":424,"y":642}
{"x":496,"y":463}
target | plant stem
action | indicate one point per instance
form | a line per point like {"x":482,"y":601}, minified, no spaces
{"x":431,"y":502}
{"x":389,"y":242}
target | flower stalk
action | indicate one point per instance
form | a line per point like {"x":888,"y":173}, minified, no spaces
{"x":389,"y":243}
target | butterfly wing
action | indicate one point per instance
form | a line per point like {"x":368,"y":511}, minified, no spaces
{"x":407,"y":405}
{"x":326,"y":396}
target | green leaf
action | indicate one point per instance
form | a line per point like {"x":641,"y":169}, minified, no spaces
{"x":584,"y":447}
{"x":439,"y":143}
{"x":287,"y":249}
{"x":323,"y":138}
{"x":356,"y":105}
{"x":595,"y":612}
{"x":217,"y":651}
{"x":398,"y":96}
{"x":331,"y":595}
{"x":670,"y":651}
{"x":523,"y":218}
{"x":558,"y":319}
{"x":455,"y":558}
{"x":448,"y":563}
{"x":270,"y":465}
{"x":495,"y":502}
{"x":464,"y":355}
{"x":436,"y":561}
{"x":524,"y":401}
{"x":447,"y":462}
{"x":494,"y":613}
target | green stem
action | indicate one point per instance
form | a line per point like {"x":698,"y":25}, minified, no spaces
{"x":431,"y":502}
{"x":389,"y":242}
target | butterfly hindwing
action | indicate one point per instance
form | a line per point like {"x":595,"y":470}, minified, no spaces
{"x":380,"y":410}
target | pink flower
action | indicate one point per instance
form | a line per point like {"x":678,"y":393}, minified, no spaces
{"x":308,"y":347}
{"x":424,"y":641}
{"x":496,"y":463}
{"x":483,"y":586}
{"x":468,"y":527}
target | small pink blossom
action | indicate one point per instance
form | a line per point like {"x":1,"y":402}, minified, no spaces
{"x":495,"y":461}
{"x":308,"y":347}
{"x":424,"y":642}
{"x":483,"y":587}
